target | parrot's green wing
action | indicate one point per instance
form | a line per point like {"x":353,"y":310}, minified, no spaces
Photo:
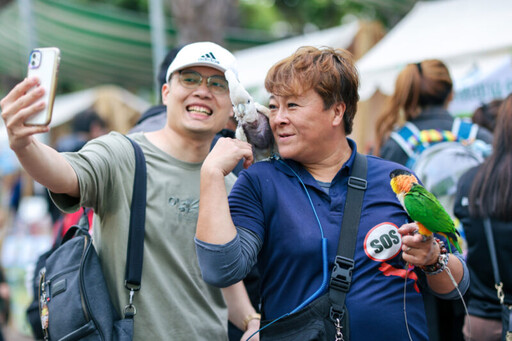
{"x":422,"y":206}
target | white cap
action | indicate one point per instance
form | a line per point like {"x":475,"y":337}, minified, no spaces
{"x":203,"y":54}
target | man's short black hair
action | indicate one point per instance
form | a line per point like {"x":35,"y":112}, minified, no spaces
{"x":165,"y":64}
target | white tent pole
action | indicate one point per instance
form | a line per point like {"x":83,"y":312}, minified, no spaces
{"x":31,"y":40}
{"x":158,"y":46}
{"x":27,"y":19}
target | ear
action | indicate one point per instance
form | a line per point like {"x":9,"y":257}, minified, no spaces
{"x":339,"y":112}
{"x":166,"y":88}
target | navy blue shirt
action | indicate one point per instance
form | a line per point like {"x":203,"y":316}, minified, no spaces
{"x":269,"y":200}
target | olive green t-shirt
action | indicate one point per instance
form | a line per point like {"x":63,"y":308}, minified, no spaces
{"x":174,"y":303}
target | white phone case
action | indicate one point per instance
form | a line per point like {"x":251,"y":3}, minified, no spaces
{"x":44,"y":63}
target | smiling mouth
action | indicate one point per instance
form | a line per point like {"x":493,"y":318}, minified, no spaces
{"x":200,"y":110}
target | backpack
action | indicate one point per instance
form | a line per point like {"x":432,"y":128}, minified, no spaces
{"x":61,"y":226}
{"x":440,"y":157}
{"x":32,"y":311}
{"x":74,"y":302}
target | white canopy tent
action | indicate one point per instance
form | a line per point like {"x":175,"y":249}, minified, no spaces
{"x":471,"y":36}
{"x":487,"y":81}
{"x":68,"y":105}
{"x":256,"y":61}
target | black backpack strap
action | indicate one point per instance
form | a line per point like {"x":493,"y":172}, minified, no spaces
{"x":341,"y":274}
{"x":135,"y":252}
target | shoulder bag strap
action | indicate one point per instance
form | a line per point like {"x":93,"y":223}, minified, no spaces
{"x":499,"y":284}
{"x":494,"y":260}
{"x":135,"y":252}
{"x":341,"y":274}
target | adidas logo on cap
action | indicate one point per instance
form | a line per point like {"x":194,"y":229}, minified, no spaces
{"x":208,"y":57}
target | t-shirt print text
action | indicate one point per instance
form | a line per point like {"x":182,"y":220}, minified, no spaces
{"x":184,"y":206}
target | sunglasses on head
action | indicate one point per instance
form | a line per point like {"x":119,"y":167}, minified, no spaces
{"x":192,"y":79}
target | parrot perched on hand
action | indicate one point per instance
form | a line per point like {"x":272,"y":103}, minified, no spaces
{"x":252,"y":118}
{"x":423,"y":207}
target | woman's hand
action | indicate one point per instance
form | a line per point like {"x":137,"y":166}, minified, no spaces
{"x":252,"y":327}
{"x":418,"y":250}
{"x":226,"y":154}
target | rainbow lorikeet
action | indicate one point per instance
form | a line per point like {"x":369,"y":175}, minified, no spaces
{"x":423,"y":207}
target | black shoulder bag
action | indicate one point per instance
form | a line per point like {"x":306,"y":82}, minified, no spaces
{"x":327,"y":317}
{"x":74,"y":302}
{"x":506,"y":310}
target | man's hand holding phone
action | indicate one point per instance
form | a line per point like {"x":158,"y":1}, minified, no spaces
{"x":17,"y":106}
{"x":43,"y":163}
{"x":26,"y":109}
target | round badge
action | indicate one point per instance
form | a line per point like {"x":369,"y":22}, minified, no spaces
{"x":383,"y":242}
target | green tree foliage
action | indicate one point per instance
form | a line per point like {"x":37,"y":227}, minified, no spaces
{"x":263,"y":14}
{"x":297,"y":14}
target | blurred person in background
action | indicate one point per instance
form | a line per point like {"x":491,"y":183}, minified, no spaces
{"x":85,"y":126}
{"x":422,"y":94}
{"x":485,"y":115}
{"x":5,"y":295}
{"x":5,"y":292}
{"x":486,"y":192}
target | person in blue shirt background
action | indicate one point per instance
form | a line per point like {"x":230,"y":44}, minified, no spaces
{"x":279,"y":209}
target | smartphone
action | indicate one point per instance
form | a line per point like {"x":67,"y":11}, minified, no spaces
{"x":44,"y":63}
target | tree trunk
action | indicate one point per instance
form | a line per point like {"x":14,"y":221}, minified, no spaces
{"x":201,"y":20}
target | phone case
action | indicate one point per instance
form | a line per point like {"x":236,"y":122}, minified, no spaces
{"x":44,"y":63}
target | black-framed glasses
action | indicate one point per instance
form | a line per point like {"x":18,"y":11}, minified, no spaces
{"x":192,"y":79}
